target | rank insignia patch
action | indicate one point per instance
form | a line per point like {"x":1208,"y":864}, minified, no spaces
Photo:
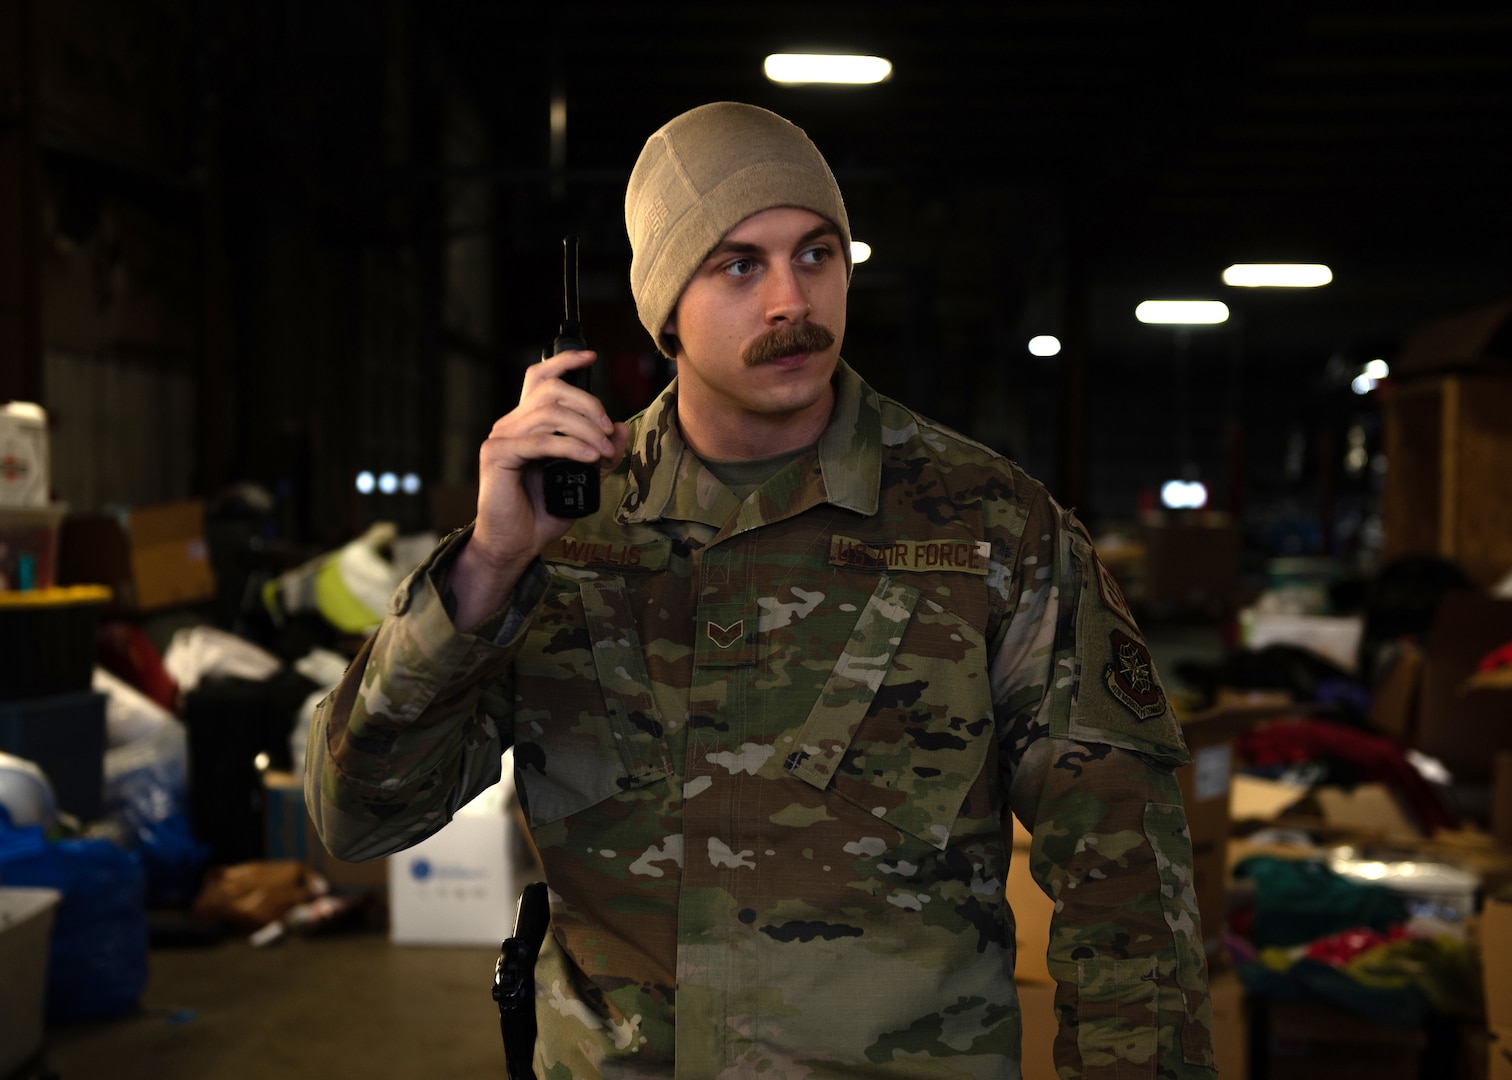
{"x":1131,"y":677}
{"x":725,"y":636}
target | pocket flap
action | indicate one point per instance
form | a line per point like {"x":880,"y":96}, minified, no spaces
{"x":626,"y":684}
{"x":852,"y":684}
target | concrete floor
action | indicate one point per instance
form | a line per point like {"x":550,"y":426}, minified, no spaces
{"x":349,"y":1005}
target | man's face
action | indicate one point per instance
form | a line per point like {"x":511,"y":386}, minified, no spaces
{"x":758,"y":331}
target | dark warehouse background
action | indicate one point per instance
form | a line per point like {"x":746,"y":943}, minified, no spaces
{"x":252,"y":251}
{"x":281,"y":243}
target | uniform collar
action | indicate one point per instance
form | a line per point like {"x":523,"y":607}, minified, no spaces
{"x":849,"y":452}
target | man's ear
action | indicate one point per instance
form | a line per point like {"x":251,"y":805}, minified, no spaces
{"x":667,"y":339}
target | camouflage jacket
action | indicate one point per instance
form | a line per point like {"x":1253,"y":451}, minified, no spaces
{"x":766,"y":750}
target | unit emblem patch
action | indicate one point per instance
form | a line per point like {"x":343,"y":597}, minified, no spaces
{"x":1131,"y":677}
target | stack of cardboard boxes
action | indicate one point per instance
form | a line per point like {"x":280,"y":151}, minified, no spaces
{"x":151,"y":557}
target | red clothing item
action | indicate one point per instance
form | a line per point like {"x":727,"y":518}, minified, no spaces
{"x":1287,"y":742}
{"x":1340,"y":949}
{"x":1497,"y":658}
{"x":125,"y":651}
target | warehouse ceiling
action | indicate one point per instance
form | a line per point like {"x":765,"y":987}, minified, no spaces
{"x":1051,"y":164}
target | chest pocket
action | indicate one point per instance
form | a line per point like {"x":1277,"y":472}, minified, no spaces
{"x":904,"y":722}
{"x":600,"y":733}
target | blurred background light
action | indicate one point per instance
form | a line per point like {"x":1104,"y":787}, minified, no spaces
{"x":1183,"y":494}
{"x":794,"y":69}
{"x":1182,"y":312}
{"x":1277,"y":275}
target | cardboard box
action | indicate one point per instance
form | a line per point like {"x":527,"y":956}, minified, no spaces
{"x":1037,"y":1051}
{"x":1192,"y":563}
{"x":286,"y":823}
{"x":1499,"y":1053}
{"x":459,"y":887}
{"x":1394,"y":700}
{"x":288,"y":833}
{"x":1231,"y":1028}
{"x":26,"y":917}
{"x":1031,"y":914}
{"x":1445,"y":493}
{"x":1322,"y":1042}
{"x":1372,"y":809}
{"x":1462,"y":725}
{"x":288,"y":816}
{"x":1207,"y":793}
{"x":1501,"y":798}
{"x":153,"y":557}
{"x":1474,"y":1049}
{"x":1496,"y":961}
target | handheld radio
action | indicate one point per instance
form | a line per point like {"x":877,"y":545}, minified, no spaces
{"x":572,"y":487}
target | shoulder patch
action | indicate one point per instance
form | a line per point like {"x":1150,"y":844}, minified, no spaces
{"x":1130,"y":677}
{"x":1112,"y":595}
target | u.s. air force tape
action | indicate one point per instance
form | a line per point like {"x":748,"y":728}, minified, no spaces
{"x":913,"y":556}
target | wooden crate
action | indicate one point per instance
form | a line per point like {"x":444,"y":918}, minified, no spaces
{"x":1449,"y":472}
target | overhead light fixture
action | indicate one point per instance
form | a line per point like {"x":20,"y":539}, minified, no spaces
{"x":1182,"y":312}
{"x":797,"y":69}
{"x":1277,"y":275}
{"x":860,"y":252}
{"x":1044,"y":345}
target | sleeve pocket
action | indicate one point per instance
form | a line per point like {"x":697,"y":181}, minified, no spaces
{"x":1166,"y":827}
{"x":1118,"y":1017}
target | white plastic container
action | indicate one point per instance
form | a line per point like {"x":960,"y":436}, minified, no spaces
{"x":24,"y":464}
{"x":26,"y":917}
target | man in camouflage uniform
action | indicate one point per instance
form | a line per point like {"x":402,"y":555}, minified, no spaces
{"x":772,"y":705}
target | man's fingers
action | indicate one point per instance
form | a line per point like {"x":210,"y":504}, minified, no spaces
{"x":555,"y":367}
{"x":544,"y":384}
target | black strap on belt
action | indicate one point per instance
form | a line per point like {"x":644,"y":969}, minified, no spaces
{"x":514,"y":981}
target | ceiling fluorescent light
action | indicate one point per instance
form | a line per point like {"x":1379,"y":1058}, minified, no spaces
{"x":796,"y":69}
{"x":1277,"y":275}
{"x":1182,"y":312}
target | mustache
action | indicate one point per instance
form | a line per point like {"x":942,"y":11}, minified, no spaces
{"x":786,"y":340}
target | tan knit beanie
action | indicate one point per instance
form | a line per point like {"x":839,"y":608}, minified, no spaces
{"x":701,"y":175}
